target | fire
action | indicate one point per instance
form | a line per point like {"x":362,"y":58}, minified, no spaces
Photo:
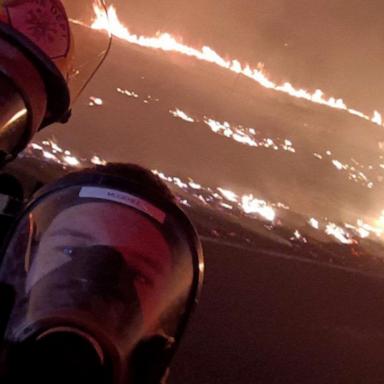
{"x":166,"y":42}
{"x":182,"y":115}
{"x":247,"y":204}
{"x":339,"y":233}
{"x":239,"y":133}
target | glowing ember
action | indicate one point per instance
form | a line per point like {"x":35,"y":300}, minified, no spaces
{"x":353,"y":174}
{"x":224,"y":198}
{"x":360,"y":230}
{"x":49,"y":155}
{"x":380,"y":221}
{"x":98,"y":161}
{"x":338,"y":233}
{"x":298,"y":236}
{"x":314,"y":223}
{"x":182,"y":115}
{"x":71,"y":160}
{"x":225,"y":205}
{"x":194,"y":185}
{"x":226,"y":130}
{"x":229,"y":195}
{"x":338,"y":165}
{"x":128,"y":93}
{"x":95,"y":101}
{"x":251,"y":205}
{"x":246,"y":203}
{"x":168,"y":43}
{"x":363,"y":233}
{"x":52,"y":152}
{"x":55,"y":147}
{"x":246,"y":136}
{"x":377,"y":118}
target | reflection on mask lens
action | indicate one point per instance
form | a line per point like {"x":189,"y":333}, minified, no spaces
{"x":13,"y":116}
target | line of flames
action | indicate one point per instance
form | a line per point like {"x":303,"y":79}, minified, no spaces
{"x":247,"y":203}
{"x":166,"y":42}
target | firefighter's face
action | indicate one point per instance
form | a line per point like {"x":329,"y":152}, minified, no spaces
{"x":108,"y":224}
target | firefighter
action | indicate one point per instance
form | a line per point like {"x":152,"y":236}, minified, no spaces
{"x":105,"y":269}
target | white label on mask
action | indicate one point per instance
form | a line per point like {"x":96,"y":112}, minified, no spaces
{"x":123,"y":198}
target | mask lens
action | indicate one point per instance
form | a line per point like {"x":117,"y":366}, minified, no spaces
{"x":114,"y":271}
{"x":13,"y":117}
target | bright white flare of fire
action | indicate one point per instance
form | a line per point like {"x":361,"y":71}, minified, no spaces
{"x":52,"y":152}
{"x":166,"y":42}
{"x":314,"y":223}
{"x":252,"y":207}
{"x":229,"y":195}
{"x":247,"y":203}
{"x":255,"y":206}
{"x":353,"y":174}
{"x":239,"y":133}
{"x":245,"y":136}
{"x":182,"y":115}
{"x":339,"y":233}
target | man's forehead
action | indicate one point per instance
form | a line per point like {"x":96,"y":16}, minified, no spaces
{"x":110,"y":219}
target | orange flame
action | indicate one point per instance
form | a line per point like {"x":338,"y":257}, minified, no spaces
{"x":166,"y":42}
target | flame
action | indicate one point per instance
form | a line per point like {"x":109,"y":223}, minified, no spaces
{"x":298,"y":236}
{"x":339,"y":233}
{"x":96,"y":160}
{"x":379,"y":223}
{"x":229,"y":195}
{"x":242,"y":135}
{"x":128,"y":93}
{"x":353,"y":174}
{"x":166,"y":42}
{"x":314,"y":223}
{"x":251,"y":205}
{"x":247,"y":204}
{"x":182,"y":115}
{"x":340,"y":166}
{"x":95,"y":101}
{"x":246,"y":136}
{"x":51,"y":151}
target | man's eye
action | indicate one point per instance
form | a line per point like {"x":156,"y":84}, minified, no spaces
{"x":65,"y":249}
{"x":68,"y":250}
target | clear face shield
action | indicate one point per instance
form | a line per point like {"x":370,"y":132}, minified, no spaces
{"x":48,"y":53}
{"x":96,"y":272}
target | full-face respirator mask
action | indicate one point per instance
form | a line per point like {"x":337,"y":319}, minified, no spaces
{"x":99,"y":276}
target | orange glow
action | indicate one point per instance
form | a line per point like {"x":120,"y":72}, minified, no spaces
{"x":168,"y":43}
{"x":52,"y":152}
{"x":229,"y":200}
{"x":182,"y":115}
{"x":242,"y":135}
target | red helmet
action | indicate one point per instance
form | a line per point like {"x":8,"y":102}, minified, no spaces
{"x":49,"y":52}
